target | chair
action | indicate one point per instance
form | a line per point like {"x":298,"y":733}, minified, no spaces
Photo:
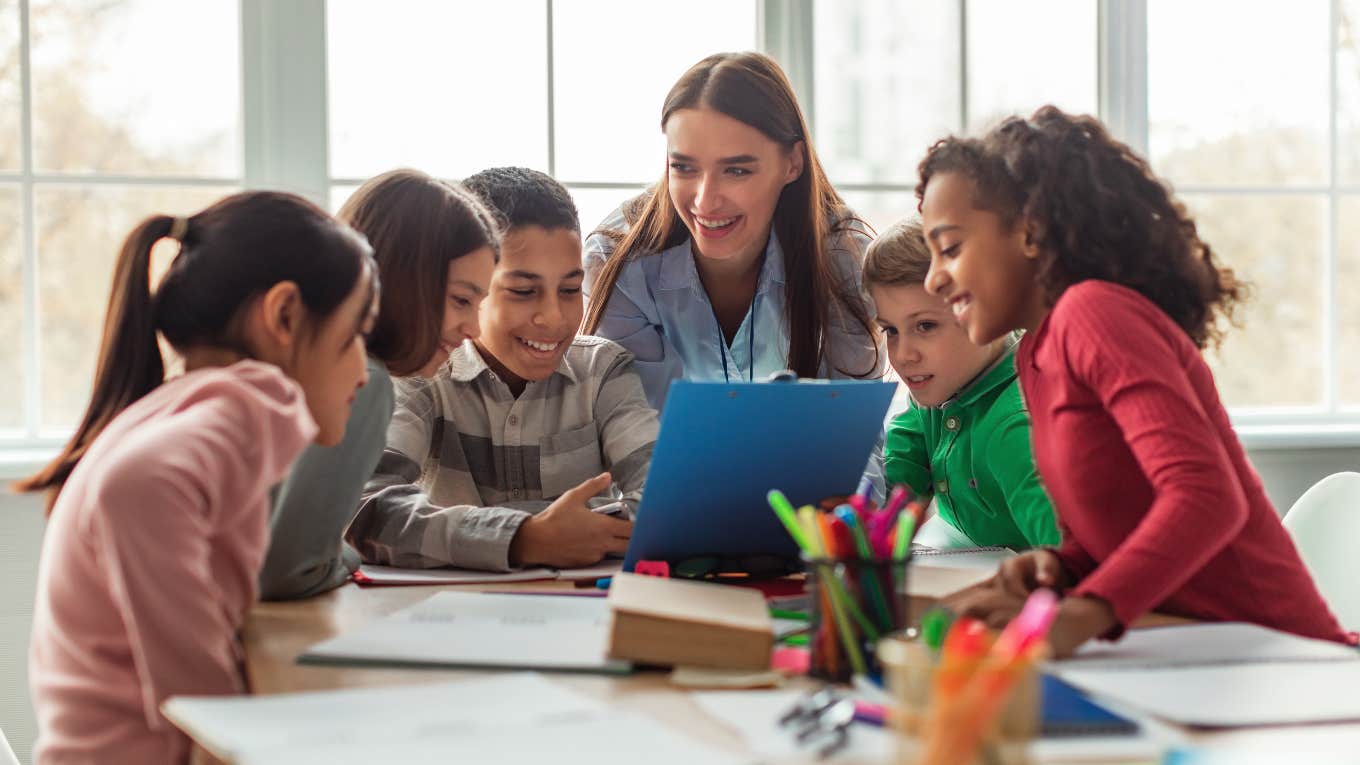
{"x":1325,"y":525}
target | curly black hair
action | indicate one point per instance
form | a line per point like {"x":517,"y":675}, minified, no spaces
{"x":1097,"y":211}
{"x":519,"y":196}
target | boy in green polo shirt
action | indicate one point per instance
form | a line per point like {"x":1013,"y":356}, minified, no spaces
{"x":965,"y":437}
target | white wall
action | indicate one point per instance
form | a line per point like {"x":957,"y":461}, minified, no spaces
{"x":1287,"y":474}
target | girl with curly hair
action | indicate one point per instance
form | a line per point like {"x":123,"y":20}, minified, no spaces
{"x":1049,"y":225}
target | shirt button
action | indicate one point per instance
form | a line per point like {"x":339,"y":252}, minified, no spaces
{"x":514,"y":419}
{"x":951,"y":423}
{"x":942,"y":487}
{"x":515,"y":493}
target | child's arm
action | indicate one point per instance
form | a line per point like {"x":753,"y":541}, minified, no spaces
{"x":905,"y":456}
{"x":628,"y":428}
{"x":1011,"y":465}
{"x":316,"y":502}
{"x":1114,"y":347}
{"x":398,"y":525}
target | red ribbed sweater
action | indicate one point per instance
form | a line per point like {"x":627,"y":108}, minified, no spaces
{"x":1158,"y":506}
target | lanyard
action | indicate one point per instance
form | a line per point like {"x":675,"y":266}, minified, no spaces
{"x":750,"y":344}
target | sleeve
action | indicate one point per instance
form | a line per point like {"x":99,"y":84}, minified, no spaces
{"x":628,"y":428}
{"x":157,"y":530}
{"x":398,"y":525}
{"x":316,"y":502}
{"x":1010,"y":463}
{"x":853,"y":351}
{"x":905,"y":458}
{"x":631,"y":320}
{"x":1113,"y":346}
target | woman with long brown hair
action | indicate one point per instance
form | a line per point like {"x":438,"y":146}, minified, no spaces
{"x":742,"y":260}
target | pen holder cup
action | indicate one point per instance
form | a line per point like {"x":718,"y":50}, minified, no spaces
{"x":908,"y":669}
{"x":855,"y":603}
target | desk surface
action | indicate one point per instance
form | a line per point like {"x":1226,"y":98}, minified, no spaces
{"x":276,"y":633}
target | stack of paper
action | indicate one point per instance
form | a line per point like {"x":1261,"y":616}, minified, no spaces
{"x":519,"y":718}
{"x":384,"y":575}
{"x":473,"y":629}
{"x":1222,"y":675}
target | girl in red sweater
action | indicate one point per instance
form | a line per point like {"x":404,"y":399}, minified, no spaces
{"x":1051,"y":226}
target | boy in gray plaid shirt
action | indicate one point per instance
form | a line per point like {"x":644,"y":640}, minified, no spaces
{"x":496,"y":461}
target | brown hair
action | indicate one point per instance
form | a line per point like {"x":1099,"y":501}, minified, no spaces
{"x":899,"y":256}
{"x":417,"y":226}
{"x":230,"y":253}
{"x":751,"y":88}
{"x":1098,"y":213}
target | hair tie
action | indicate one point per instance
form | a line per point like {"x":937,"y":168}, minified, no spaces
{"x":179,"y":229}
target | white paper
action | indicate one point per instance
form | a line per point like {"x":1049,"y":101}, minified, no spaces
{"x":516,"y":718}
{"x":754,"y":715}
{"x":984,"y":558}
{"x":1204,"y":644}
{"x":1233,"y":695}
{"x":473,"y":629}
{"x":600,"y":570}
{"x":392,"y":575}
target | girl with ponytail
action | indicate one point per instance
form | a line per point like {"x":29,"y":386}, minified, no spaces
{"x":160,"y":501}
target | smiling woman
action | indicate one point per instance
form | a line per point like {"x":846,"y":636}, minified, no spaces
{"x":743,"y":260}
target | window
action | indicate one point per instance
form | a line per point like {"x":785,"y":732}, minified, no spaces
{"x":111,"y":110}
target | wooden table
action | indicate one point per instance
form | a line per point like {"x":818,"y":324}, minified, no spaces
{"x":276,"y":633}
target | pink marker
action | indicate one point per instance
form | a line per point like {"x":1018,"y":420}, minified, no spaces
{"x":1029,"y":627}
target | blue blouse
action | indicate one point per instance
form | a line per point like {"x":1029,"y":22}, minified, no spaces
{"x":660,"y":311}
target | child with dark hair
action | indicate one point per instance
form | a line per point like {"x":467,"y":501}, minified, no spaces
{"x":1049,"y":225}
{"x":436,"y":246}
{"x":499,"y":459}
{"x":161,"y":498}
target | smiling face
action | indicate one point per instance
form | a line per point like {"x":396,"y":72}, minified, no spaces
{"x":724,"y":178}
{"x":928,"y":349}
{"x":535,"y":306}
{"x":468,"y":281}
{"x":985,"y":271}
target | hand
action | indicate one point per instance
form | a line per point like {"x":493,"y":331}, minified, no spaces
{"x":1030,"y":571}
{"x":988,"y":601}
{"x":567,"y":534}
{"x":1079,"y":620}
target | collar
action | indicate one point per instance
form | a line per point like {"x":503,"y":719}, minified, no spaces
{"x":678,"y":270}
{"x":1001,"y":372}
{"x":466,"y":364}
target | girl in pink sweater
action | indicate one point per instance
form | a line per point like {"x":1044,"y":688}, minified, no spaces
{"x":158,"y":524}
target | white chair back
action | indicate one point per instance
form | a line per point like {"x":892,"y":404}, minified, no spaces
{"x":1325,"y":525}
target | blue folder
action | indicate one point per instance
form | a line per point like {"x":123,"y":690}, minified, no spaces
{"x":1068,"y":712}
{"x":723,"y":446}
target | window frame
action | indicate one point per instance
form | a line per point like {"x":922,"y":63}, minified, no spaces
{"x":284,"y":113}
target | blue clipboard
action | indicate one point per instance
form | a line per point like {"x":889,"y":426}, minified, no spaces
{"x":723,"y":446}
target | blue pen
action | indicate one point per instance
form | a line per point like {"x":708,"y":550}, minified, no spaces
{"x":604,"y":582}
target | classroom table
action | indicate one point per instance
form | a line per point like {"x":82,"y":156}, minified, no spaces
{"x":276,"y":633}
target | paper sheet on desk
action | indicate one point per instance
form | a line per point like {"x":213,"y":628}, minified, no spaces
{"x":474,"y":629}
{"x":1219,"y":643}
{"x":390,"y":575}
{"x":513,"y":718}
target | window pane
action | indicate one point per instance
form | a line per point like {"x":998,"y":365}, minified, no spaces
{"x":1024,"y":55}
{"x":1276,"y":243}
{"x":341,"y":194}
{"x":614,"y":61}
{"x":1259,"y":114}
{"x":11,"y":100}
{"x":449,"y":88}
{"x":139,"y":86}
{"x":886,"y":79}
{"x":1348,"y":91}
{"x":79,"y":233}
{"x":1347,"y":283}
{"x":593,"y":205}
{"x":11,"y":310}
{"x":881,"y":209}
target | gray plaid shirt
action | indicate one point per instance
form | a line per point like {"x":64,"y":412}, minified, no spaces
{"x":466,"y":461}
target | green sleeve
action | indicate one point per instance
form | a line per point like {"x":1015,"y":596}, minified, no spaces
{"x":1011,"y":463}
{"x":906,"y":458}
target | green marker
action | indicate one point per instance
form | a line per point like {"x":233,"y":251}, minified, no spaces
{"x":934,"y":624}
{"x":787,"y":516}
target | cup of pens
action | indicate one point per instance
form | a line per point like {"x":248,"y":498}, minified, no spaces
{"x":856,"y":558}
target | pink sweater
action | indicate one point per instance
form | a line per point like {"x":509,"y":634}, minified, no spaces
{"x":150,"y":561}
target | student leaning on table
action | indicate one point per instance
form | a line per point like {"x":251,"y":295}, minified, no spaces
{"x":496,"y":461}
{"x":1049,"y":225}
{"x":161,"y":511}
{"x":742,"y":260}
{"x":436,"y":246}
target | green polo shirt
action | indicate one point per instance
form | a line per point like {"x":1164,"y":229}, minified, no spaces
{"x":973,"y":453}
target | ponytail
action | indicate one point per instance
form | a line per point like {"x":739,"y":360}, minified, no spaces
{"x":130,"y":364}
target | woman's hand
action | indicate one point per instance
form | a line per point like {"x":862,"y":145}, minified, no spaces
{"x":1032,"y":570}
{"x":568,"y":534}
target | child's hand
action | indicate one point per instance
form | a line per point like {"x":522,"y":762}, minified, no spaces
{"x":987,"y":602}
{"x":567,"y":534}
{"x":1079,"y":620}
{"x":1030,"y":571}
